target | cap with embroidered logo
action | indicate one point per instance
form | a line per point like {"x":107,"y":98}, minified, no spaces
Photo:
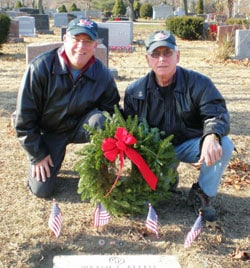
{"x":83,"y":26}
{"x":160,"y":39}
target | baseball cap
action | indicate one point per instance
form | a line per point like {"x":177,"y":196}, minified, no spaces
{"x":83,"y":26}
{"x":160,"y":39}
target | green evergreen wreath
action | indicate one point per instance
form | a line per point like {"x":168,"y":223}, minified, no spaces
{"x":131,"y":193}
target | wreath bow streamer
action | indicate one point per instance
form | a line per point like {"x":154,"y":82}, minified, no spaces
{"x":119,"y":145}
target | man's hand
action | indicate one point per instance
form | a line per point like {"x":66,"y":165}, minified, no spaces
{"x":41,"y":170}
{"x":211,"y":150}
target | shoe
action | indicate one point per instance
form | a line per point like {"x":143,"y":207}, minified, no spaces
{"x":201,"y":203}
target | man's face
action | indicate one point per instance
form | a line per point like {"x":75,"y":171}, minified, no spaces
{"x":79,"y":49}
{"x":163,"y":61}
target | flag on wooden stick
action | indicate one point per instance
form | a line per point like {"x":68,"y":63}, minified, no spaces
{"x":194,"y":232}
{"x":55,"y":219}
{"x":152,"y":220}
{"x":101,"y":215}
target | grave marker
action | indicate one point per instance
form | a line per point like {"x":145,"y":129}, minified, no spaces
{"x":226,"y":33}
{"x":62,"y":19}
{"x":14,"y":29}
{"x":120,"y":33}
{"x":116,"y":261}
{"x":42,"y":23}
{"x":162,"y":11}
{"x":26,"y":26}
{"x":242,"y":44}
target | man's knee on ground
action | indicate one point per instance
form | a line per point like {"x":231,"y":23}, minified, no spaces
{"x":41,"y":190}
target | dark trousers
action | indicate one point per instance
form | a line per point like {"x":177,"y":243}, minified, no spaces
{"x":56,"y":144}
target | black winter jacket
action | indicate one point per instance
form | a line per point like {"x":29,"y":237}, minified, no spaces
{"x":50,"y":101}
{"x":195,"y":108}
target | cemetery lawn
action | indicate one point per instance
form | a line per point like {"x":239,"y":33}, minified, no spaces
{"x":25,"y":239}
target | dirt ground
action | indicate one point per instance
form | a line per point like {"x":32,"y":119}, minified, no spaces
{"x":25,"y":240}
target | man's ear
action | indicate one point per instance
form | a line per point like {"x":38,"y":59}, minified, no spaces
{"x":146,"y":56}
{"x":178,"y":56}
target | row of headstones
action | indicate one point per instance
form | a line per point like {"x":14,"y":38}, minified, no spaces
{"x":120,"y":33}
{"x":31,"y":23}
{"x":90,"y":13}
{"x":161,"y":11}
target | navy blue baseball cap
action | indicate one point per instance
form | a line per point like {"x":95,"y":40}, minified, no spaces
{"x":160,"y":39}
{"x":83,"y":26}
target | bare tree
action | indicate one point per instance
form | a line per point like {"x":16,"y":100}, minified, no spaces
{"x":40,"y":6}
{"x":185,"y":4}
{"x":132,"y":11}
{"x":230,"y":5}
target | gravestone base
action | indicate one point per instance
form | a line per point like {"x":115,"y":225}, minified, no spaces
{"x":115,"y":261}
{"x":45,"y":32}
{"x":15,"y":40}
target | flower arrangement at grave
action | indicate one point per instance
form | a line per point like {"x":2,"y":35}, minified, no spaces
{"x":126,"y":165}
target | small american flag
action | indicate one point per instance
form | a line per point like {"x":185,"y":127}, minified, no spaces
{"x":152,"y":220}
{"x":101,"y":215}
{"x":194,"y":232}
{"x":55,"y":219}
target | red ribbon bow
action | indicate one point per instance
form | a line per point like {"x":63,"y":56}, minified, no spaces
{"x":120,"y":145}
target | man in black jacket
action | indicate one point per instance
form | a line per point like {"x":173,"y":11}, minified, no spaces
{"x":61,"y":90}
{"x":188,"y":105}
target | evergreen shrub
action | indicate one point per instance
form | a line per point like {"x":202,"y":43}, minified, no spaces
{"x":4,"y":28}
{"x":119,"y":8}
{"x":186,"y":27}
{"x":237,"y":21}
{"x":74,"y":7}
{"x":62,"y":9}
{"x":146,"y":11}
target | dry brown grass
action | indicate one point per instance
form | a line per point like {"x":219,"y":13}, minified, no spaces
{"x":25,"y":240}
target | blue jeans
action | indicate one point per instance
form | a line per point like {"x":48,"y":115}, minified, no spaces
{"x":209,"y":177}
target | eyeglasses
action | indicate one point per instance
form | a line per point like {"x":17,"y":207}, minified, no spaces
{"x":86,"y":43}
{"x":164,"y":53}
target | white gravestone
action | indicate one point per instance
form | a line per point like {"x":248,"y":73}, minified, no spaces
{"x":162,"y":11}
{"x":26,"y":26}
{"x":179,"y":12}
{"x":116,"y":261}
{"x":242,"y":44}
{"x":62,"y":19}
{"x":120,"y":33}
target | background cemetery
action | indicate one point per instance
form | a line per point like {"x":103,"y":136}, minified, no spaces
{"x":26,"y":20}
{"x":25,"y":238}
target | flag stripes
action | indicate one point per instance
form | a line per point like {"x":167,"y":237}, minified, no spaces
{"x":55,"y":220}
{"x":152,"y":220}
{"x":194,"y":232}
{"x":101,"y":216}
